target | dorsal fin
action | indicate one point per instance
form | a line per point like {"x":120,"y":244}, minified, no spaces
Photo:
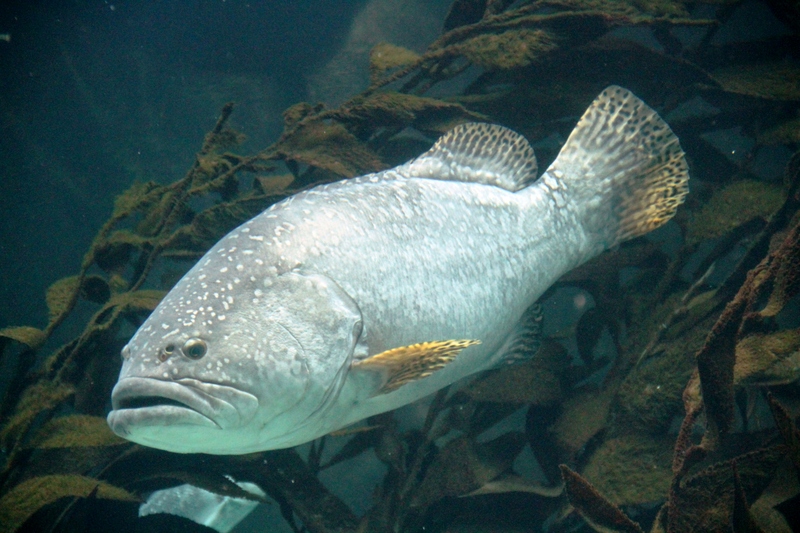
{"x":478,"y":153}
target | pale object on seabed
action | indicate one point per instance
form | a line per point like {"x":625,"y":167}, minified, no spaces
{"x":206,"y":508}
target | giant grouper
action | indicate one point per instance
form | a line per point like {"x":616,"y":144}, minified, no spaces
{"x":360,"y":296}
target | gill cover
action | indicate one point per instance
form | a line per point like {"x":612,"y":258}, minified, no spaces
{"x":326,"y":322}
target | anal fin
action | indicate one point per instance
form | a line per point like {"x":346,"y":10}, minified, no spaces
{"x":524,"y":341}
{"x":399,"y":366}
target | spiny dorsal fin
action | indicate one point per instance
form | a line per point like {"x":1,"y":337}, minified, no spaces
{"x":410,"y":363}
{"x":478,"y":153}
{"x":624,"y":156}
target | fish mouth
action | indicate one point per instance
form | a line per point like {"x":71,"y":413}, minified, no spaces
{"x":147,"y":402}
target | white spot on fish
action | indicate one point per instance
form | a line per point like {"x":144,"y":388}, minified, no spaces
{"x":171,"y":333}
{"x":256,"y":237}
{"x":240,"y":267}
{"x":223,"y":269}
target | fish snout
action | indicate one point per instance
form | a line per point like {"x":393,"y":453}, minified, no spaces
{"x":144,"y":401}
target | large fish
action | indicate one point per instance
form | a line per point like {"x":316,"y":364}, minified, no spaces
{"x":360,"y":296}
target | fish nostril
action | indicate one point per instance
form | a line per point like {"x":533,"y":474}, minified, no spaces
{"x":164,"y":354}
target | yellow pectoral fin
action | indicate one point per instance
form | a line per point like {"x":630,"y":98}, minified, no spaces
{"x":410,"y":363}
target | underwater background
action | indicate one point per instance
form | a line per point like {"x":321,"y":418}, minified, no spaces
{"x":135,"y":134}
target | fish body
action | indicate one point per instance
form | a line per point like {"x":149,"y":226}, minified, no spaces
{"x":360,"y":296}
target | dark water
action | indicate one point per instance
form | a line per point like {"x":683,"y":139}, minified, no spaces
{"x":95,"y":95}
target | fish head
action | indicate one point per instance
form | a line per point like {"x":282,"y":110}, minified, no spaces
{"x":253,"y":368}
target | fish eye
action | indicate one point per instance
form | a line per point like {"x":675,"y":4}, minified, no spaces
{"x":195,"y":348}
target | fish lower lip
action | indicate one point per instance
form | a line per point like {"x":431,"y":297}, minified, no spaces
{"x":152,"y":401}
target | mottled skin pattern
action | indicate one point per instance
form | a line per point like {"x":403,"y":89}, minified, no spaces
{"x":287,"y":302}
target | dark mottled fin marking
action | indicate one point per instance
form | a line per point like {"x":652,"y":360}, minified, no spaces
{"x":478,"y":153}
{"x":399,"y":366}
{"x":524,"y":341}
{"x":622,"y":153}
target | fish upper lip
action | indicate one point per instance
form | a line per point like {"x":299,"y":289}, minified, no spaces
{"x":222,"y":405}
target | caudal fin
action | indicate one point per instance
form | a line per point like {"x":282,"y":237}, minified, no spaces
{"x":622,"y":170}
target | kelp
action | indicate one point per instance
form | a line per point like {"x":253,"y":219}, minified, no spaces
{"x":31,"y":337}
{"x":22,"y":501}
{"x":631,"y":469}
{"x":732,"y":206}
{"x":771,"y":81}
{"x":386,"y":57}
{"x":693,"y":343}
{"x":601,"y":514}
{"x":463,"y":467}
{"x":74,"y":431}
{"x":506,"y":50}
